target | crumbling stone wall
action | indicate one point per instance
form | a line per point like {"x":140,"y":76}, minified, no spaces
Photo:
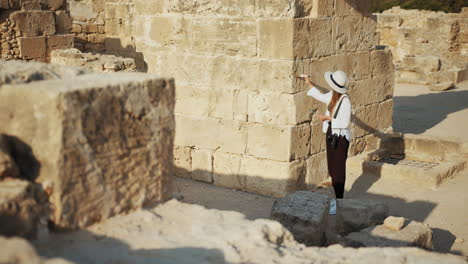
{"x":99,"y":144}
{"x":88,"y":20}
{"x":243,"y":121}
{"x":94,"y":62}
{"x":31,"y":30}
{"x":428,"y":47}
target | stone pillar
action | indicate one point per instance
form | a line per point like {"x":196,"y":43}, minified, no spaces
{"x":242,"y":120}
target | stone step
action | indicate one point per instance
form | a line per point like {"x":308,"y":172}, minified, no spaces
{"x":413,"y":159}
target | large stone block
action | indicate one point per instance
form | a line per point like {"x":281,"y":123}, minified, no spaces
{"x":193,"y":131}
{"x":59,"y":42}
{"x":32,"y":47}
{"x":322,"y":8}
{"x":413,"y":234}
{"x":226,"y":171}
{"x":372,"y":90}
{"x":354,"y":215}
{"x":281,"y":143}
{"x":312,"y":38}
{"x":276,"y":38}
{"x":305,"y":215}
{"x":353,"y":8}
{"x":271,"y":178}
{"x":381,"y":61}
{"x":104,"y":143}
{"x":224,"y":36}
{"x":279,"y":109}
{"x":183,"y":161}
{"x":34,"y":23}
{"x":354,"y":33}
{"x":202,"y":165}
{"x":227,"y":135}
{"x":317,"y":170}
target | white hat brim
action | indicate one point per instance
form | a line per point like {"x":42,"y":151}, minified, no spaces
{"x":327,"y":77}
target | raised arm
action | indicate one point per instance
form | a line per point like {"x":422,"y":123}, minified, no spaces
{"x":316,"y":94}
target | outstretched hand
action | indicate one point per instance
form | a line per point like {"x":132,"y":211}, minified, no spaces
{"x":324,"y":118}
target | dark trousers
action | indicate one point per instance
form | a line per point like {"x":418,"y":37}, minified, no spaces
{"x":336,"y":161}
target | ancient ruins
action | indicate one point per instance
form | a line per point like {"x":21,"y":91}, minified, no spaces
{"x":428,"y":47}
{"x":85,"y":138}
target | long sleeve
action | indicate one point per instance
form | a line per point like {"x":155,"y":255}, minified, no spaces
{"x":344,"y":115}
{"x":315,"y":93}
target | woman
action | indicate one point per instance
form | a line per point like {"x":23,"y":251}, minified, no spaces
{"x":335,"y":122}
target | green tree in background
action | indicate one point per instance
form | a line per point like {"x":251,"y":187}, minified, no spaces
{"x":449,"y":6}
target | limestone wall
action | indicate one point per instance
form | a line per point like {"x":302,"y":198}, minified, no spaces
{"x":30,"y":30}
{"x":100,"y":144}
{"x":242,"y":120}
{"x":428,"y":47}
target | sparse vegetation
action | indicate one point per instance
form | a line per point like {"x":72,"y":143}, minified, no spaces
{"x":449,"y":6}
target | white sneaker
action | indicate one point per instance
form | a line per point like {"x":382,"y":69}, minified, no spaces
{"x":333,"y":207}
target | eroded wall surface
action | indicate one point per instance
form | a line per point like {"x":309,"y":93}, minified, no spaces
{"x":31,"y":30}
{"x":242,"y":120}
{"x":428,"y":47}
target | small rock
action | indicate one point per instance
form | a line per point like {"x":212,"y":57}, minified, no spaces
{"x":441,"y":86}
{"x":356,"y":214}
{"x":415,"y":234}
{"x":305,"y":215}
{"x":459,"y":240}
{"x":394,"y":223}
{"x":178,"y":197}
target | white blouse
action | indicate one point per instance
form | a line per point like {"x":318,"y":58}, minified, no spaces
{"x":340,"y":124}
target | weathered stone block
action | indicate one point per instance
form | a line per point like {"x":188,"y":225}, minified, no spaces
{"x":63,"y":23}
{"x":353,"y":8}
{"x":421,"y":63}
{"x":354,"y":33}
{"x":107,"y":142}
{"x":31,"y":5}
{"x":279,"y":109}
{"x":276,"y":38}
{"x":389,"y":20}
{"x":281,"y":143}
{"x":20,"y":208}
{"x":317,"y":170}
{"x":322,"y":8}
{"x":34,"y":23}
{"x":183,"y":161}
{"x":59,"y":42}
{"x":311,"y":38}
{"x":202,"y":165}
{"x":305,"y":215}
{"x":233,"y":136}
{"x":413,"y":234}
{"x":271,"y":178}
{"x":381,"y":61}
{"x":226,"y":171}
{"x":354,"y":215}
{"x":32,"y":47}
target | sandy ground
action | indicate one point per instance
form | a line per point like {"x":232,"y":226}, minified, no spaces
{"x":417,"y":110}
